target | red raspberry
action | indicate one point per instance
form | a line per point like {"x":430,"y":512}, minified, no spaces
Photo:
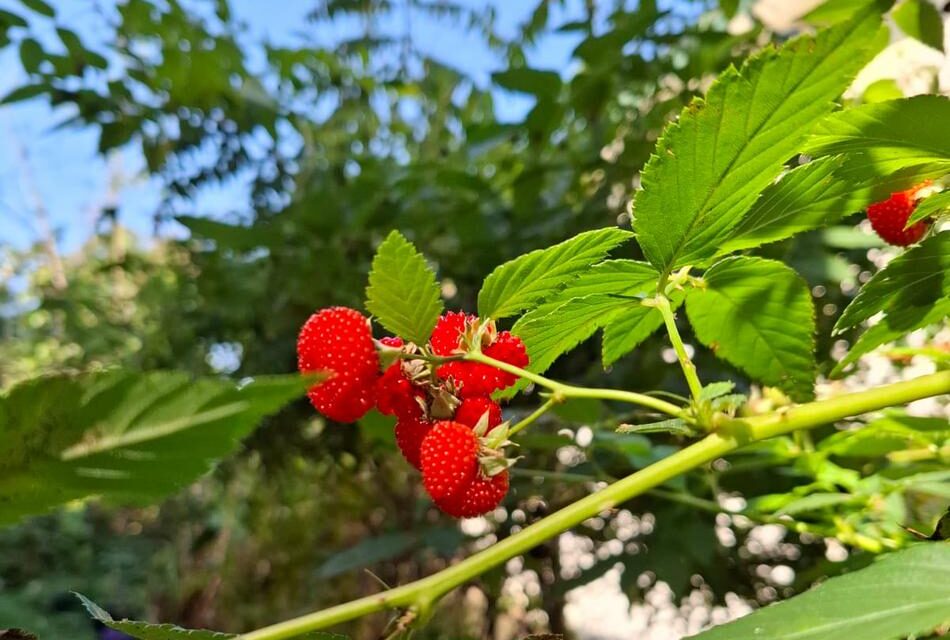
{"x":449,"y":460}
{"x":392,"y":341}
{"x":409,"y":435}
{"x":396,"y":395}
{"x":507,"y":348}
{"x":338,"y":341}
{"x":452,"y":474}
{"x":482,"y":496}
{"x":446,"y":338}
{"x":472,"y":409}
{"x":889,"y":217}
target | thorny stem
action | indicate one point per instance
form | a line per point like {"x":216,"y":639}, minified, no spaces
{"x":565,"y":391}
{"x":689,"y":369}
{"x":737,"y":433}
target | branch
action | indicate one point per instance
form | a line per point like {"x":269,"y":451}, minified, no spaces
{"x":421,"y":594}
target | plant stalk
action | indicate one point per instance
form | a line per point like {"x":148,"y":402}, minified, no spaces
{"x":689,"y":369}
{"x":735,"y":434}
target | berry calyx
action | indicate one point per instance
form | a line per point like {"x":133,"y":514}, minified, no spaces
{"x":889,"y":218}
{"x":338,"y":341}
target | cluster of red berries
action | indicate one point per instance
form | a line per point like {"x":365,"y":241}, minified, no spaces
{"x":889,"y":218}
{"x":447,"y":424}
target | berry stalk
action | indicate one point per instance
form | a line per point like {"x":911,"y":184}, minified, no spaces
{"x":563,"y":391}
{"x":662,"y":304}
{"x":421,"y":594}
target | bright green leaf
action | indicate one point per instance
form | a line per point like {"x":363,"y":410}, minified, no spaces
{"x":835,"y":11}
{"x":884,"y":137}
{"x":403,"y":293}
{"x":631,"y":326}
{"x":920,"y":20}
{"x":897,"y":323}
{"x":815,"y":502}
{"x":716,"y":389}
{"x":905,"y":593}
{"x":758,"y":315}
{"x":127,"y":437}
{"x":881,"y":91}
{"x":523,"y":282}
{"x":676,"y":426}
{"x":916,"y":278}
{"x":935,"y":205}
{"x":711,"y":165}
{"x":814,"y":195}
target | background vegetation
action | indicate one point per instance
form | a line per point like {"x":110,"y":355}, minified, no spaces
{"x":339,"y":143}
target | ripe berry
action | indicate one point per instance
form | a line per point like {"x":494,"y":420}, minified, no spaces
{"x":472,"y":409}
{"x":889,"y":217}
{"x":482,"y":496}
{"x":338,"y":341}
{"x":410,"y":433}
{"x":507,"y":348}
{"x":449,"y":460}
{"x":446,"y":337}
{"x":396,"y":395}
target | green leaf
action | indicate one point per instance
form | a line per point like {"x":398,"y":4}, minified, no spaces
{"x":25,"y":92}
{"x":631,"y":326}
{"x":236,"y":237}
{"x":835,"y":11}
{"x":523,"y":282}
{"x":548,"y":337}
{"x":716,"y":389}
{"x":403,"y":293}
{"x":544,"y":84}
{"x":127,"y":437}
{"x":709,"y":167}
{"x":814,"y":195}
{"x":905,"y":593}
{"x":757,"y":314}
{"x":882,"y":90}
{"x":935,"y":205}
{"x":884,"y":137}
{"x":920,"y":20}
{"x":916,"y":278}
{"x":880,"y":437}
{"x":148,"y":631}
{"x":897,"y":323}
{"x":815,"y":502}
{"x":31,"y":55}
{"x":8,"y":19}
{"x":39,"y":6}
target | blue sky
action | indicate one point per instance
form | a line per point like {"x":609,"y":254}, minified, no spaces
{"x":65,"y":173}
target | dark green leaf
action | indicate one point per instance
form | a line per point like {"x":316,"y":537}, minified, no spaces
{"x":148,"y":631}
{"x":235,"y":237}
{"x":31,"y":55}
{"x":903,"y":594}
{"x":917,"y":278}
{"x":368,"y":552}
{"x":403,"y":293}
{"x":711,"y":165}
{"x":920,"y":20}
{"x":544,"y":84}
{"x":25,"y":92}
{"x":523,"y":282}
{"x":757,"y":314}
{"x":130,"y":438}
{"x":39,"y":6}
{"x":8,"y":19}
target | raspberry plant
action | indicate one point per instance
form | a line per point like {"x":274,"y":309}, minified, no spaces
{"x":764,"y":156}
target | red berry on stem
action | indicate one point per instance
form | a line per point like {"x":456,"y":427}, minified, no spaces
{"x":472,"y":409}
{"x":396,"y":395}
{"x":889,"y":217}
{"x":483,"y":495}
{"x":410,"y":433}
{"x":338,"y":341}
{"x":449,"y":460}
{"x":507,"y":348}
{"x":446,"y":337}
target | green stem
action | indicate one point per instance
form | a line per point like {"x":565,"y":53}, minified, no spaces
{"x":537,"y":413}
{"x":421,"y":594}
{"x":689,"y":369}
{"x":564,"y":391}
